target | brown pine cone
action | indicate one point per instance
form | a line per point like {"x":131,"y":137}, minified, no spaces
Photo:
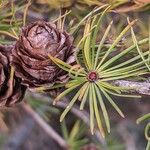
{"x":11,"y":91}
{"x":30,"y":56}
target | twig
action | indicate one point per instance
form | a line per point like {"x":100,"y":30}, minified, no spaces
{"x":45,"y":126}
{"x":141,"y":88}
{"x":83,"y":115}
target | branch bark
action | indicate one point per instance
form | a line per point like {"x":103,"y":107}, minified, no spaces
{"x":45,"y":126}
{"x":140,"y":88}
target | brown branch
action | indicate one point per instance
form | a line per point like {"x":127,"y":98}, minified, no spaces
{"x":45,"y":126}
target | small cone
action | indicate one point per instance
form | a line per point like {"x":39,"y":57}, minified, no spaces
{"x":30,"y":55}
{"x":11,"y":90}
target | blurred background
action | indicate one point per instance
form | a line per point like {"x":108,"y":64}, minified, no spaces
{"x":34,"y":123}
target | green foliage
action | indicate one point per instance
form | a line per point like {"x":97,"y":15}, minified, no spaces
{"x":42,"y":108}
{"x":74,"y":138}
{"x":93,"y":56}
{"x":83,"y":4}
{"x":114,"y":143}
{"x":100,"y":61}
{"x":147,"y":128}
{"x":10,"y":24}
